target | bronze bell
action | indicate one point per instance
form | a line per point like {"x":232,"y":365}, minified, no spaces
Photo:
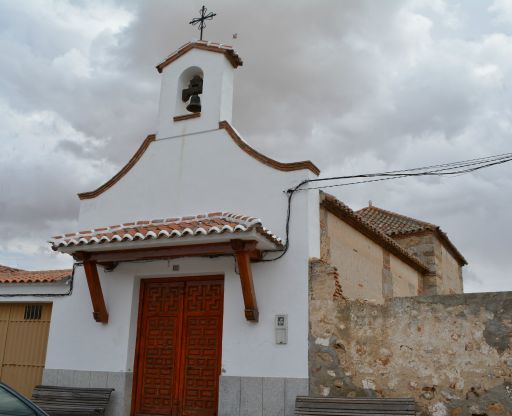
{"x":195,"y":104}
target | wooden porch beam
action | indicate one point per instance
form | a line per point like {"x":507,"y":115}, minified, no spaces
{"x":156,"y":253}
{"x":244,"y":251}
{"x":243,"y":260}
{"x":100,"y":313}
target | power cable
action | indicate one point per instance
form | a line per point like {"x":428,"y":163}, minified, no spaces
{"x":445,"y":169}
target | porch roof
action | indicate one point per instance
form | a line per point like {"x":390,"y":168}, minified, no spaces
{"x":214,"y":234}
{"x":206,"y":228}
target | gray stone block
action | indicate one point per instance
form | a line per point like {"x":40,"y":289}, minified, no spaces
{"x":120,"y":400}
{"x":273,"y":396}
{"x":50,"y":377}
{"x":81,"y":378}
{"x":98,"y":379}
{"x":65,"y":378}
{"x":251,"y":396}
{"x":294,"y":387}
{"x":229,"y":396}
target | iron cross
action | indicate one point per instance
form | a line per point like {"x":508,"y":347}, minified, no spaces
{"x":202,"y":19}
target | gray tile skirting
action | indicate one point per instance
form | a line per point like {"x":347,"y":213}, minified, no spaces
{"x":120,"y":401}
{"x":260,"y":396}
{"x":238,"y":396}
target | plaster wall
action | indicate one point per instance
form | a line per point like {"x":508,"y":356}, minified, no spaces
{"x":451,"y":273}
{"x":406,"y":280}
{"x":366,"y":270}
{"x":201,"y":173}
{"x":451,"y":353}
{"x":189,"y":175}
{"x":193,"y":168}
{"x":77,"y":342}
{"x":216,"y":99}
{"x":358,"y":259}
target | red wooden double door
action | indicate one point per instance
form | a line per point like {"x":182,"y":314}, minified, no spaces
{"x":179,"y":341}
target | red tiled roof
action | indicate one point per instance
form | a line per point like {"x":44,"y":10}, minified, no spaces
{"x":342,"y":211}
{"x":213,"y":223}
{"x":227,"y":50}
{"x":394,"y":224}
{"x":12,"y":275}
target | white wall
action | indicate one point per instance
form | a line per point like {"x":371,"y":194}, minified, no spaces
{"x":195,"y":174}
{"x":78,"y":342}
{"x":199,"y":171}
{"x":216,"y":99}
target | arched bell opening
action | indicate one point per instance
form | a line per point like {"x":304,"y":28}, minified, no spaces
{"x":190,"y":89}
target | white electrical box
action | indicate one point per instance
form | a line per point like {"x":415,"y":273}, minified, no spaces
{"x":281,"y":328}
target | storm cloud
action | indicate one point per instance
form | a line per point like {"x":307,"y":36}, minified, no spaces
{"x":356,"y":86}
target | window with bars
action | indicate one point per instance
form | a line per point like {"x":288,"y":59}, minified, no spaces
{"x":33,"y":312}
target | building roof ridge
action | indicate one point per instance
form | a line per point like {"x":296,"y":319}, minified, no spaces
{"x":414,"y":225}
{"x":396,"y":214}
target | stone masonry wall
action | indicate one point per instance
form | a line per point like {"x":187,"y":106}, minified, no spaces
{"x":446,"y":277}
{"x":452,"y":353}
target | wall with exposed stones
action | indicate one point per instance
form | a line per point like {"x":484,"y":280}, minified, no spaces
{"x":366,"y":269}
{"x":451,"y":353}
{"x":446,"y":275}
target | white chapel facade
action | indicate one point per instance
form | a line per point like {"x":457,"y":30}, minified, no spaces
{"x":184,"y":231}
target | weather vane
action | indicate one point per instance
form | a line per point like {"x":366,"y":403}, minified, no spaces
{"x":202,"y":19}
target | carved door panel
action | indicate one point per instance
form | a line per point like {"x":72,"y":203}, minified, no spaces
{"x":202,"y":348}
{"x":159,"y":348}
{"x":179,"y":348}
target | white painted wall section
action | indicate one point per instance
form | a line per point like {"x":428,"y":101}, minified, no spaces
{"x":193,"y":168}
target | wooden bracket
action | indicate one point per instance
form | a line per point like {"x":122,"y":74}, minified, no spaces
{"x":243,"y":253}
{"x":100,"y":313}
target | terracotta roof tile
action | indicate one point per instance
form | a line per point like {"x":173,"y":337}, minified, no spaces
{"x":394,"y":225}
{"x":171,"y":228}
{"x":12,"y":275}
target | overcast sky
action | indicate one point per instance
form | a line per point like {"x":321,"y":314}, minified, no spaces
{"x":356,"y":86}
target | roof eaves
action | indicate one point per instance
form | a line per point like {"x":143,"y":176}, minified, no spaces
{"x":227,"y":50}
{"x":422,"y":226}
{"x":443,"y":237}
{"x":199,"y":225}
{"x":37,"y":276}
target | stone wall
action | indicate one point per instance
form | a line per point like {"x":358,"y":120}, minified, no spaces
{"x":446,"y":277}
{"x":451,"y":353}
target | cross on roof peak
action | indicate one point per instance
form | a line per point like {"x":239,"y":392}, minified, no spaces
{"x":201,"y":19}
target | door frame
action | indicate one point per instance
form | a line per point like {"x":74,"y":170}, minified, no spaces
{"x":138,"y":341}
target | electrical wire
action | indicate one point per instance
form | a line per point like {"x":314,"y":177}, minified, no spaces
{"x":444,"y":169}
